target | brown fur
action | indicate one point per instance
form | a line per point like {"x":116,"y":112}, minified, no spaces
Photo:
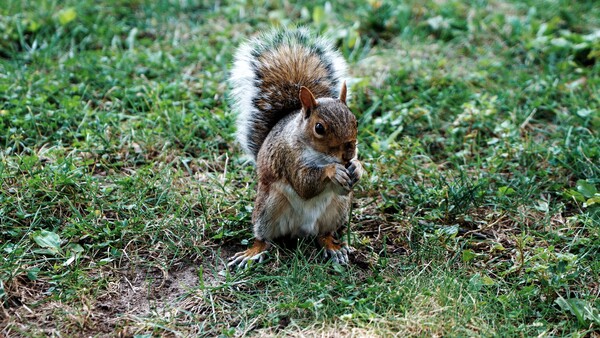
{"x":302,"y":174}
{"x":327,"y":241}
{"x":281,"y":73}
{"x":340,"y":125}
{"x":297,"y":127}
{"x":285,"y":157}
{"x":284,"y":70}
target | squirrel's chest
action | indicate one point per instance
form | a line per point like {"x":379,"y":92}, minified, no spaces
{"x":304,"y":217}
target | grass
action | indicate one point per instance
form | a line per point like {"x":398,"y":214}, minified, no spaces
{"x":122,"y":191}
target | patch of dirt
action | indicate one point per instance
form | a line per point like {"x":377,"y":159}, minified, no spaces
{"x":129,"y":297}
{"x":16,"y":310}
{"x":142,"y":293}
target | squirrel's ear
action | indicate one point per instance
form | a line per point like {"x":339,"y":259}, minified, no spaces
{"x":343,"y":93}
{"x":308,"y":101}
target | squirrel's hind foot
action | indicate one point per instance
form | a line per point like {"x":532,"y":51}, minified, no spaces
{"x":255,"y":253}
{"x":334,"y":249}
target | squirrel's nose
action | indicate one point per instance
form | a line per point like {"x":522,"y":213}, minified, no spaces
{"x":348,"y":151}
{"x":347,"y":156}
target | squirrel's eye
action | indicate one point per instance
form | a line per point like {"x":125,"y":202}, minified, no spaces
{"x":319,"y":129}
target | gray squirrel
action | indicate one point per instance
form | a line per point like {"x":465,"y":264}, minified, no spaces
{"x":289,"y":92}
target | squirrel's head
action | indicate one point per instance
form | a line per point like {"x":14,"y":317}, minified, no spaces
{"x":329,"y":125}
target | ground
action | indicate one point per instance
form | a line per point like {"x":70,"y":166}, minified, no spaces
{"x":123,"y":192}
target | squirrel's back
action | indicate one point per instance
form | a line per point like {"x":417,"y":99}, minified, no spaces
{"x":267,"y":74}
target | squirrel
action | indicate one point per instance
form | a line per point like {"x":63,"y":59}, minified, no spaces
{"x":289,"y":94}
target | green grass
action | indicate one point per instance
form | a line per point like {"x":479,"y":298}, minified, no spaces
{"x":122,"y":191}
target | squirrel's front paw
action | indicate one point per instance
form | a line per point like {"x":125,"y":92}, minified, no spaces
{"x":355,"y":169}
{"x":342,"y":179}
{"x":255,"y":253}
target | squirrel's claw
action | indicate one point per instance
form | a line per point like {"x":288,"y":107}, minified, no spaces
{"x":241,"y":259}
{"x":339,"y":256}
{"x":343,"y":179}
{"x":336,"y":251}
{"x":355,"y":170}
{"x":256,"y":253}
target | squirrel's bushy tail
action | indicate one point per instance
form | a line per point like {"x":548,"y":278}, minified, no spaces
{"x":267,"y":74}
